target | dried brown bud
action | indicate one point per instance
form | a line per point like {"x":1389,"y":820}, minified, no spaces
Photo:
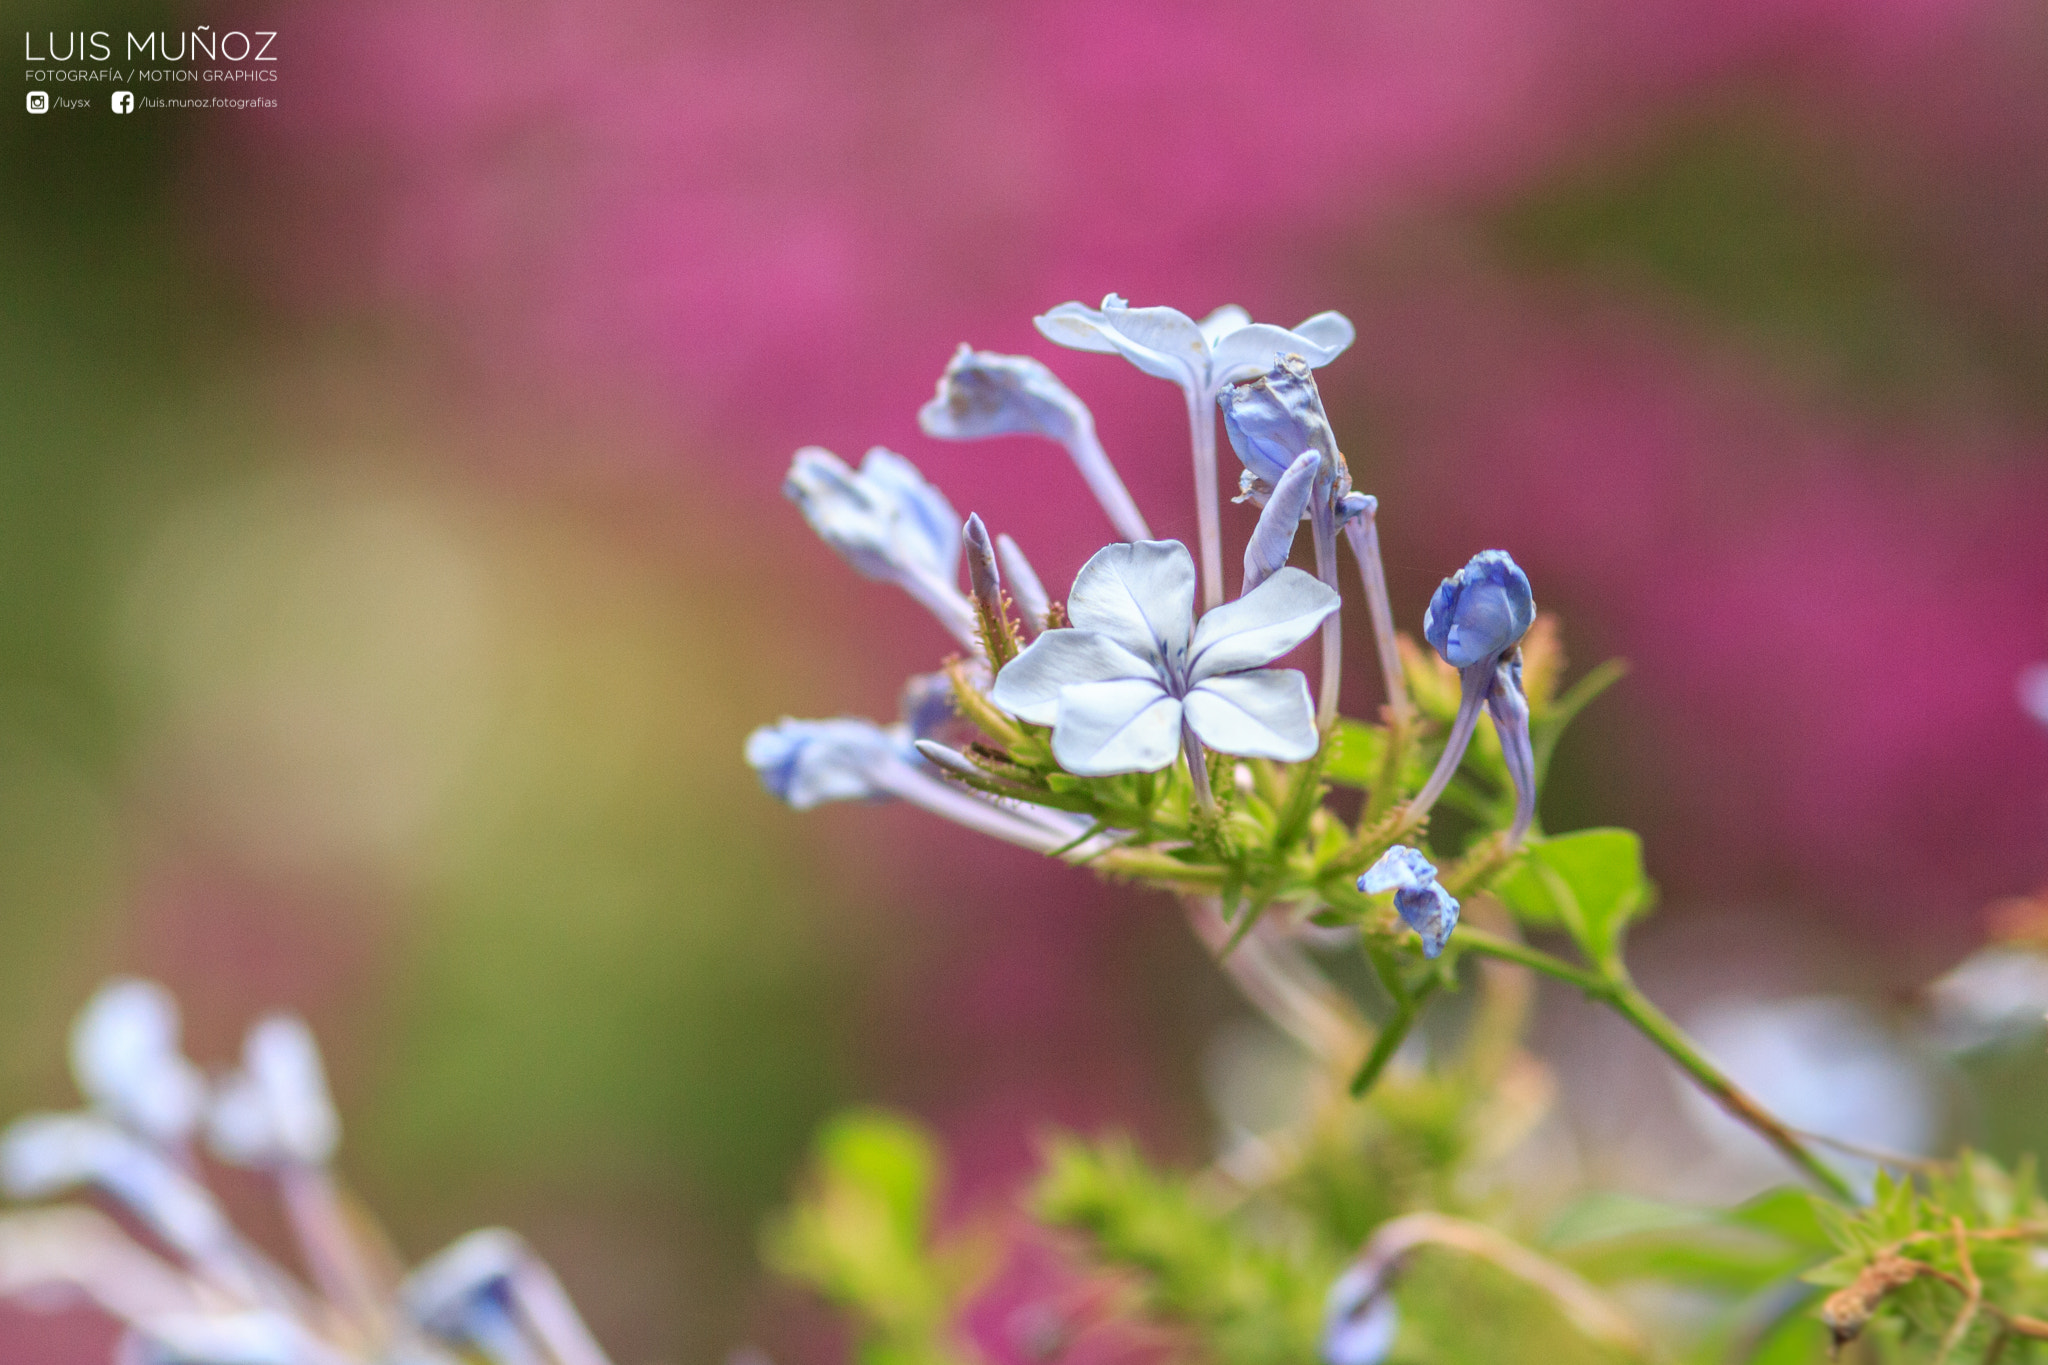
{"x":1847,"y":1311}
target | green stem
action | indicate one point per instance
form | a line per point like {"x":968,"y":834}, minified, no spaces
{"x":1619,"y":994}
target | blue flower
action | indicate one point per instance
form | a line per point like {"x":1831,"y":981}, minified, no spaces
{"x":124,"y":1052}
{"x":1476,"y":621}
{"x":1200,"y":356}
{"x":1424,"y":906}
{"x":810,"y":762}
{"x":1118,"y":688}
{"x":1480,"y":612}
{"x":984,"y":394}
{"x":889,"y":523}
{"x":1360,"y":1320}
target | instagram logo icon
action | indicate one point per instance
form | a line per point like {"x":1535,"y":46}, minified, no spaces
{"x":123,"y":102}
{"x":39,"y":101}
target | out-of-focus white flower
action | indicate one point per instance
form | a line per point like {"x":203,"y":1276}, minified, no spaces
{"x":1996,"y":994}
{"x":224,"y":1302}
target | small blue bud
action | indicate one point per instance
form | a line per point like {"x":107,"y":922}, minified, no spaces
{"x":1481,"y":612}
{"x":1360,"y":1321}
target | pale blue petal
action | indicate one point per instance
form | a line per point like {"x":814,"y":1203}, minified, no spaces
{"x":1160,"y":341}
{"x":1076,"y":325}
{"x":924,"y":524}
{"x":1029,"y":685}
{"x":1222,"y":323}
{"x":1265,"y":713}
{"x":886,"y":520}
{"x":1252,"y":349}
{"x":1330,"y":333}
{"x":1141,"y":595}
{"x":1398,"y":866}
{"x":1266,"y":553}
{"x":125,"y":1055}
{"x":810,"y":762}
{"x":984,"y":394}
{"x":1360,"y":1321}
{"x":1129,"y":725}
{"x":1260,"y":626}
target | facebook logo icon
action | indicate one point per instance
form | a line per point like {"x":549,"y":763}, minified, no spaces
{"x":124,"y":103}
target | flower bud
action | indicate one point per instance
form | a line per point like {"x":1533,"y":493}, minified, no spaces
{"x":1481,"y":612}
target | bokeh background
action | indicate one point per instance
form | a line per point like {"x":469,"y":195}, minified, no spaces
{"x":392,"y":561}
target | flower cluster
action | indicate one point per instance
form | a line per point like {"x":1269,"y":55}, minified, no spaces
{"x":217,"y":1299}
{"x":1119,"y":724}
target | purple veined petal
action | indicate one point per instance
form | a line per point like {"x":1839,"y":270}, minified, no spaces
{"x":125,"y":1056}
{"x":1264,"y":713}
{"x":1141,"y":595}
{"x":1222,"y":323}
{"x":1126,"y":725}
{"x":1331,"y":333}
{"x":1266,"y":553}
{"x":1029,"y":686}
{"x":1480,"y":612}
{"x":1260,"y":626}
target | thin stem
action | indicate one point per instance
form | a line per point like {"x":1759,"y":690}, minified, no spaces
{"x":1208,"y":515}
{"x":1477,"y":680}
{"x":1323,"y":524}
{"x":1620,"y":995}
{"x":1283,"y":984}
{"x":1198,"y":768}
{"x":1109,"y":490}
{"x":1363,"y":532}
{"x":332,"y":1253}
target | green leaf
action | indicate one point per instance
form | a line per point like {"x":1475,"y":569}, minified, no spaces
{"x":1590,"y":883}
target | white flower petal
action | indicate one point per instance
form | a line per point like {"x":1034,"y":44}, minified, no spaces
{"x":1129,"y":725}
{"x":277,"y":1109}
{"x":1029,"y":685}
{"x":1251,"y":350}
{"x":1222,"y":323}
{"x":1260,"y":626}
{"x":1331,"y":333}
{"x":1076,"y":325}
{"x":1141,"y":595}
{"x":1265,"y":713}
{"x":124,"y":1053}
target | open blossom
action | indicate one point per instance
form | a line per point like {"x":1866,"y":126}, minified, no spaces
{"x":1424,"y":906}
{"x":1200,"y":356}
{"x":220,"y":1300}
{"x":1136,"y":667}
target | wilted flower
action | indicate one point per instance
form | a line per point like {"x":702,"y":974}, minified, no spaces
{"x":1201,"y":357}
{"x":983,"y":394}
{"x":889,"y":523}
{"x":223,"y":1302}
{"x":1273,"y":418}
{"x":1424,"y":905}
{"x":1136,"y":669}
{"x":1476,"y":620}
